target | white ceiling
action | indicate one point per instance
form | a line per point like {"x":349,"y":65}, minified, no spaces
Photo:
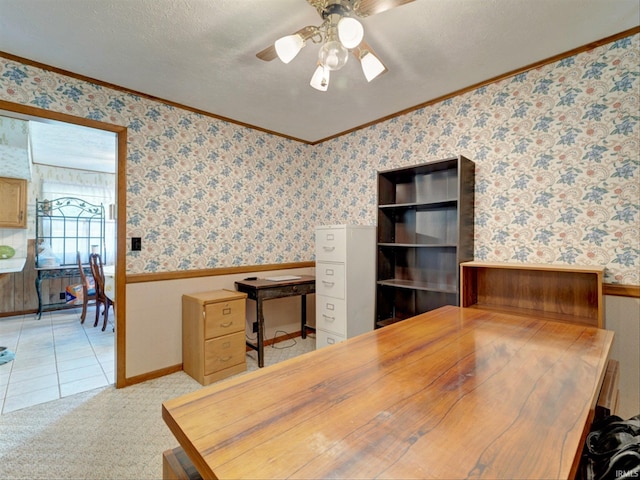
{"x":201,"y":53}
{"x":58,"y":144}
{"x":73,"y":146}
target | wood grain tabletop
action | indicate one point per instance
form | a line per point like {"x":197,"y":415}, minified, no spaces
{"x":452,"y":393}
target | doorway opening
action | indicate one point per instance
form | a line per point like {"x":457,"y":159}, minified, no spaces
{"x":114,"y":249}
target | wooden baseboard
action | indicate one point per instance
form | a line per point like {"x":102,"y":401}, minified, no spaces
{"x":34,"y":311}
{"x":176,"y":368}
{"x":281,"y":338}
{"x":151,"y":375}
{"x":18,"y":312}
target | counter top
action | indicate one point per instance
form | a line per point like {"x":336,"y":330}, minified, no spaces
{"x":11,"y":265}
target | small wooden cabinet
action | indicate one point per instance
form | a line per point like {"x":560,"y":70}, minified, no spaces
{"x":568,"y":293}
{"x":13,"y":203}
{"x":213,"y":335}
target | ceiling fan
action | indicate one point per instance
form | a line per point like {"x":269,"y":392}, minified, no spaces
{"x":339,"y":34}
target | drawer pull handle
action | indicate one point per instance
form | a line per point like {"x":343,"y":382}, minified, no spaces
{"x":327,"y":317}
{"x":328,"y":284}
{"x":226,"y":310}
{"x":331,"y":341}
{"x":329,"y":249}
{"x":225,"y":359}
{"x":227,"y":324}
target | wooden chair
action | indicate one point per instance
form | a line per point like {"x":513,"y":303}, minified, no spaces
{"x":88,"y":291}
{"x":95,"y":262}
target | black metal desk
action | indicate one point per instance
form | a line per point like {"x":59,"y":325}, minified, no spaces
{"x":262,"y":289}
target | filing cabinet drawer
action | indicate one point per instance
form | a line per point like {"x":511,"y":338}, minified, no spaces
{"x":224,"y":352}
{"x":345,"y":282}
{"x":331,"y":315}
{"x":330,"y":279}
{"x":324,"y":339}
{"x":223,"y":318}
{"x":331,"y":245}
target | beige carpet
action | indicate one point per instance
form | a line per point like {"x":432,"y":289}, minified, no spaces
{"x":104,"y":433}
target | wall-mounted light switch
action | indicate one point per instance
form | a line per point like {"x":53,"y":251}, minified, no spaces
{"x":136,"y":244}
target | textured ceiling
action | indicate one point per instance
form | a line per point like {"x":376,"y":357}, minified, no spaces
{"x":201,"y":53}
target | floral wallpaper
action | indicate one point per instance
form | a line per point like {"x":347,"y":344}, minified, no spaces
{"x":557,"y":153}
{"x":557,"y":168}
{"x":201,"y":193}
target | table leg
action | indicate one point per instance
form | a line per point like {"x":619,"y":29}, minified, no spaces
{"x":303,"y":316}
{"x":38,"y":286}
{"x":260,"y":318}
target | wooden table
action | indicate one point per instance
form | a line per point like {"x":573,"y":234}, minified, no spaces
{"x":452,"y":393}
{"x":110,"y":281}
{"x":262,"y":289}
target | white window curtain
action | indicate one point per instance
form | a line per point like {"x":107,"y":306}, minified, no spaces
{"x":95,"y":194}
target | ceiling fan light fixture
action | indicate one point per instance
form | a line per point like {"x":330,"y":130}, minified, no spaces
{"x":333,"y":55}
{"x":371,"y":66}
{"x":288,"y":47}
{"x":320,"y":78}
{"x":350,"y":32}
{"x":340,"y":35}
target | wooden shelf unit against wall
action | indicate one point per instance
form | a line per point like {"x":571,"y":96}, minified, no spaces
{"x":568,"y":293}
{"x":425,"y":229}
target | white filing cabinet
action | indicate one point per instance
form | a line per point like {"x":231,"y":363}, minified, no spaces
{"x":345,"y":282}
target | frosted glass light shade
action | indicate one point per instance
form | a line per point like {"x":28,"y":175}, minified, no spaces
{"x":350,"y":32}
{"x":371,"y":66}
{"x":333,"y":55}
{"x":320,"y":78}
{"x":288,"y":47}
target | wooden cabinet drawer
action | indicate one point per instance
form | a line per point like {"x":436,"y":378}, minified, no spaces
{"x":331,"y":244}
{"x":331,"y":314}
{"x":223,"y":318}
{"x":330,"y":279}
{"x":224,"y":352}
{"x":213,"y":324}
{"x":325,"y":339}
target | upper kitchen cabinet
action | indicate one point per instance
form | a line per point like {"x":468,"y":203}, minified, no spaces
{"x":13,"y":203}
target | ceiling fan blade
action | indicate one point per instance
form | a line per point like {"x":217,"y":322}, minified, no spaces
{"x":270,"y":53}
{"x":371,"y":7}
{"x":267,"y":54}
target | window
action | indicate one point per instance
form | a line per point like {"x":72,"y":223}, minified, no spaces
{"x":94,"y":194}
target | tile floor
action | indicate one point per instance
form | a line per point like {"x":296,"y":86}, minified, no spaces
{"x":56,"y":356}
